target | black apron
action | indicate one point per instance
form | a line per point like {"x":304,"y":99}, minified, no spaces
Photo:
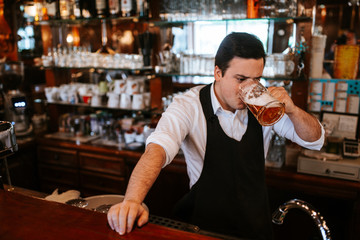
{"x":230,"y":196}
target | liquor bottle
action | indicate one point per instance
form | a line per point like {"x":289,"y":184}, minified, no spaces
{"x":78,"y":9}
{"x":143,"y":8}
{"x":253,"y":8}
{"x":65,"y":8}
{"x":114,"y":7}
{"x":7,"y":48}
{"x":128,"y":8}
{"x":88,"y":9}
{"x":57,"y":9}
{"x":101,"y":8}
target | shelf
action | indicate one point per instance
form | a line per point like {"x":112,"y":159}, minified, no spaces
{"x":89,"y":106}
{"x":82,"y":21}
{"x":157,"y":22}
{"x":178,"y":75}
{"x":182,"y":22}
{"x":143,"y":69}
{"x":183,"y":75}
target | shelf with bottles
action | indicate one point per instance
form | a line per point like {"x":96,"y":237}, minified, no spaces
{"x":52,"y":12}
{"x":84,"y":21}
{"x":289,"y":20}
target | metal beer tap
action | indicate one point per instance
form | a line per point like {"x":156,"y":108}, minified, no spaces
{"x":279,"y":215}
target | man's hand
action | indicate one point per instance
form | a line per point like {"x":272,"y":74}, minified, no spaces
{"x":122,"y":216}
{"x":281,"y":94}
{"x":306,"y":126}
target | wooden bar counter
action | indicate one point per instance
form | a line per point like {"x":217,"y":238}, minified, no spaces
{"x":30,"y":218}
{"x":93,"y":169}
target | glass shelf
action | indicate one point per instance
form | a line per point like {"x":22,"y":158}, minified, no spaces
{"x":82,"y":21}
{"x":143,"y":69}
{"x":92,"y":107}
{"x":176,"y":75}
{"x":182,"y":22}
{"x":159,"y":22}
{"x":183,"y":75}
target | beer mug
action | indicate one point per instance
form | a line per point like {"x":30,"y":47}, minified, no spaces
{"x":267,"y":109}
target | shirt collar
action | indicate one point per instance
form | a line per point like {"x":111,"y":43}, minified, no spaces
{"x":214,"y":101}
{"x":217,"y":108}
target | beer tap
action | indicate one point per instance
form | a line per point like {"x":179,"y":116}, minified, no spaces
{"x":280,"y":213}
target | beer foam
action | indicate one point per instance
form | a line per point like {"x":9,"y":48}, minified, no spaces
{"x":261,"y":100}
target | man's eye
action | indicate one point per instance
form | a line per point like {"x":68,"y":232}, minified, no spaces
{"x":241,"y":79}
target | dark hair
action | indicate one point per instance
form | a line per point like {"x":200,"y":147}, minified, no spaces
{"x":238,"y":44}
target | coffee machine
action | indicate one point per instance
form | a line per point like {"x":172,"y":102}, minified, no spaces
{"x":16,"y":108}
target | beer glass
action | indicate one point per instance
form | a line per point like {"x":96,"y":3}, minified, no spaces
{"x":267,"y":109}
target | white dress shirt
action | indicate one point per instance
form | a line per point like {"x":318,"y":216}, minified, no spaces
{"x":183,"y":125}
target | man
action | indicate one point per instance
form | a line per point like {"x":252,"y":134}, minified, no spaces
{"x":224,"y":148}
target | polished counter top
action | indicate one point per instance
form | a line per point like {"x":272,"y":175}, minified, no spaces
{"x":25,"y":217}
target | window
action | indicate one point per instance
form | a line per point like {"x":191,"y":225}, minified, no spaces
{"x":204,"y":37}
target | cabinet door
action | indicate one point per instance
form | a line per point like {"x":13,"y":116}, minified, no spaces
{"x":57,"y":156}
{"x":102,"y":163}
{"x":97,"y":183}
{"x":52,"y":177}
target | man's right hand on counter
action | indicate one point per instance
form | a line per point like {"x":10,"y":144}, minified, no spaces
{"x":122,"y":216}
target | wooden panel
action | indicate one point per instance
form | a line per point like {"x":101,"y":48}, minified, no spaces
{"x":102,"y":182}
{"x":31,"y":218}
{"x":57,"y":156}
{"x":58,"y":175}
{"x":102,"y":163}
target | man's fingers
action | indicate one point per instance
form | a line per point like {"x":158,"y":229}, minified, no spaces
{"x":123,"y":214}
{"x":144,"y":218}
{"x":132,"y":215}
{"x":112,"y":217}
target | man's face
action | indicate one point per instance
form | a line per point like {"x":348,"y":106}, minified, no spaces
{"x":227,"y":86}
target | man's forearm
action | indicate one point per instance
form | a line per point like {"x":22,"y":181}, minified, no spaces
{"x":145,"y":173}
{"x":306,"y":126}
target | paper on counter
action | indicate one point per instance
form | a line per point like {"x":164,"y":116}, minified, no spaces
{"x":63,"y":197}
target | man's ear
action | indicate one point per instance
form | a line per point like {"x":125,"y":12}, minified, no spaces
{"x":217,"y":73}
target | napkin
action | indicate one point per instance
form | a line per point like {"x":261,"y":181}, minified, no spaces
{"x":63,"y":197}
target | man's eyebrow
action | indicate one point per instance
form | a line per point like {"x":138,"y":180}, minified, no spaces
{"x":246,"y":77}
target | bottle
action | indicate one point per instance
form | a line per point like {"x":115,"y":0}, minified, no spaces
{"x":143,"y":8}
{"x":253,"y":8}
{"x":114,"y":7}
{"x":65,"y":8}
{"x":128,"y":8}
{"x":88,"y":9}
{"x":101,"y":8}
{"x":57,"y":9}
{"x":6,"y":37}
{"x":77,"y":9}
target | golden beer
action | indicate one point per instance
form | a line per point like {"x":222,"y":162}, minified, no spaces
{"x":267,"y":109}
{"x":267,"y":115}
